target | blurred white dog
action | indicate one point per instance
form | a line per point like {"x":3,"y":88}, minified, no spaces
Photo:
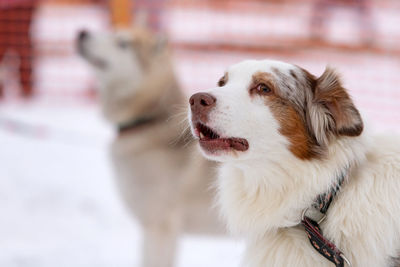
{"x":160,"y":177}
{"x":288,"y":141}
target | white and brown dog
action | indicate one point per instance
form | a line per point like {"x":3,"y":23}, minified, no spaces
{"x":285,"y":137}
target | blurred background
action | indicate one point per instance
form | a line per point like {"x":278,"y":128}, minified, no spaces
{"x":58,"y":202}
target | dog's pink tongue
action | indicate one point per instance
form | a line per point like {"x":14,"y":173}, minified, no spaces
{"x":213,"y":145}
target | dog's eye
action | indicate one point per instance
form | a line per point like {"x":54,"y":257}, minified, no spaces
{"x":123,"y":44}
{"x":263,"y":88}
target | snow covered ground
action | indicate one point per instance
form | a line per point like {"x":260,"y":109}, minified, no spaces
{"x":58,"y":203}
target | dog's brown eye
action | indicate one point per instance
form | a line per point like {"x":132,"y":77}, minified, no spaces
{"x":263,"y":88}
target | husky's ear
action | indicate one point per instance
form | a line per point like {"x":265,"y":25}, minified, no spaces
{"x":332,"y":111}
{"x":161,"y":42}
{"x":141,"y":19}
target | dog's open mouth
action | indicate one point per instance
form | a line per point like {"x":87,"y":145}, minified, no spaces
{"x":212,"y":142}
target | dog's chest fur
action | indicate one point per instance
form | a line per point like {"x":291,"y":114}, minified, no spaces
{"x":159,"y":179}
{"x":145,"y":161}
{"x":362,"y":221}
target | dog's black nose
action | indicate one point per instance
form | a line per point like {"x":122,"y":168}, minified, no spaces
{"x":201,"y":104}
{"x":83,"y":35}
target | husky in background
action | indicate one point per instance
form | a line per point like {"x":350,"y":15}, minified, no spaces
{"x":162,"y":180}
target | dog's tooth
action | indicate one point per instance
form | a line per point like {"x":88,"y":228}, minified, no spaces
{"x":201,"y":135}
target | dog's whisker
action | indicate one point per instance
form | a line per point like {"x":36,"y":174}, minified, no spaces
{"x":184,"y":136}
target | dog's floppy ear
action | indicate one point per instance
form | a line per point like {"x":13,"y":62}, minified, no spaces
{"x":332,"y":111}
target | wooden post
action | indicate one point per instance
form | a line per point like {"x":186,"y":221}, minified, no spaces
{"x":121,"y":13}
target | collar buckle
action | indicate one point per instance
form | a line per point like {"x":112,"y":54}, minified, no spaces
{"x":322,"y":217}
{"x":345,"y":259}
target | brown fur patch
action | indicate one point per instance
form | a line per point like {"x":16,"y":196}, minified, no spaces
{"x":223,"y":80}
{"x":309,"y":110}
{"x":292,"y":125}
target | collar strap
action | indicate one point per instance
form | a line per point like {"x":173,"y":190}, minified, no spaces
{"x":134,"y":124}
{"x":325,"y":247}
{"x":323,"y":201}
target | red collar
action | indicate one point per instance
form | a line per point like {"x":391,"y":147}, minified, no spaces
{"x":325,"y":247}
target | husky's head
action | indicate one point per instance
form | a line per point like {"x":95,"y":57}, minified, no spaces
{"x":120,"y":56}
{"x":126,"y":63}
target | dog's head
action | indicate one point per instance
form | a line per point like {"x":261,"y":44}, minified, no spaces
{"x":266,"y":109}
{"x":122,"y":56}
{"x":132,"y":68}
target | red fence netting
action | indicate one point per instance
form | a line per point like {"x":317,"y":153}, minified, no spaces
{"x":359,"y":37}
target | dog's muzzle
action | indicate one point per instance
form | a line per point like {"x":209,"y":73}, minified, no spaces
{"x":201,"y":104}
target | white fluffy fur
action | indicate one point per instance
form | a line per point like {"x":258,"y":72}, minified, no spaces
{"x":263,"y":191}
